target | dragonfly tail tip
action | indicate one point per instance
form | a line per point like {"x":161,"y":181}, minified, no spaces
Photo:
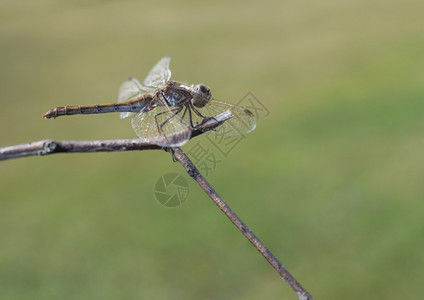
{"x":47,"y":115}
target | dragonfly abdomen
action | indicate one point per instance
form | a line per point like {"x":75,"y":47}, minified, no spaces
{"x":134,"y":105}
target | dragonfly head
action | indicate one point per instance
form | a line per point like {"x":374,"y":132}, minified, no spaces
{"x":202,"y":95}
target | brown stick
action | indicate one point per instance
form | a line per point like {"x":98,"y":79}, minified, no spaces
{"x":46,"y":147}
{"x":191,"y":169}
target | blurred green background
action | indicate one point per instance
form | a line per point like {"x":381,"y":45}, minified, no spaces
{"x":331,"y":180}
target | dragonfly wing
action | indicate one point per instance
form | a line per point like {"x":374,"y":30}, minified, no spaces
{"x":161,"y":126}
{"x":130,"y":89}
{"x":159,"y":74}
{"x":242,"y":122}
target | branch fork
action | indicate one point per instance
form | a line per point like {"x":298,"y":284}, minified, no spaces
{"x":47,"y":147}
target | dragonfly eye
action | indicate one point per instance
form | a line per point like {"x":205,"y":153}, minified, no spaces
{"x":201,"y":96}
{"x":203,"y":89}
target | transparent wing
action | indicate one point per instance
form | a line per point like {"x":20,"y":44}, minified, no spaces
{"x":159,"y":74}
{"x":161,"y":126}
{"x":242,"y":122}
{"x":130,"y":89}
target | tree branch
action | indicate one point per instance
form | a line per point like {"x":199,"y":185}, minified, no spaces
{"x":46,"y":147}
{"x":191,"y":169}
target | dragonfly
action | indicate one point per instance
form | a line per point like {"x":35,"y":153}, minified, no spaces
{"x":165,"y":112}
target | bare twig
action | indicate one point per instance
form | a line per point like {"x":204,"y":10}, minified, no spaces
{"x":223,"y":206}
{"x":46,"y":147}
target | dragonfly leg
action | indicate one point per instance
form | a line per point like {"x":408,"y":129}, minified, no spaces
{"x":160,"y":128}
{"x":178,"y":109}
{"x":187,"y":108}
{"x":190,"y":116}
{"x":200,"y":115}
{"x":170,"y":151}
{"x":196,"y":111}
{"x":182,"y":116}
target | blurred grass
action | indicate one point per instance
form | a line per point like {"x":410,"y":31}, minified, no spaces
{"x":331,"y":180}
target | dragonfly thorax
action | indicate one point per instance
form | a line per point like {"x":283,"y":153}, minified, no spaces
{"x":174,"y":94}
{"x":201,"y":96}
